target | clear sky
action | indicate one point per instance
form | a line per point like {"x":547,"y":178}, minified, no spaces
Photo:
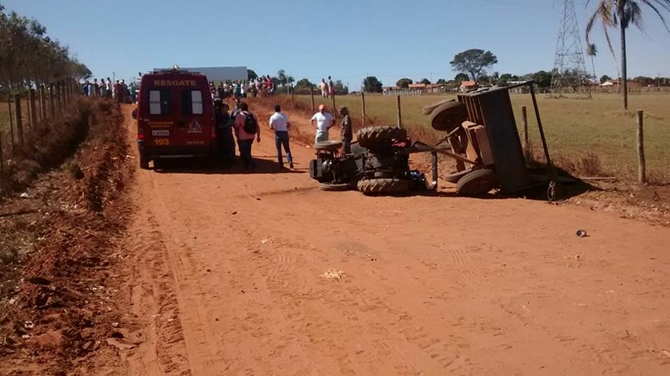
{"x":347,"y":39}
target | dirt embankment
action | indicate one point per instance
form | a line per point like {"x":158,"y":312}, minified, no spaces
{"x":65,"y":228}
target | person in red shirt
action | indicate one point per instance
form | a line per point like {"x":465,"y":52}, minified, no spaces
{"x":245,"y":140}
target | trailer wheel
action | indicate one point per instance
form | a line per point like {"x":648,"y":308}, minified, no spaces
{"x":373,"y":137}
{"x":427,"y":110}
{"x":383,"y":185}
{"x":144,"y":162}
{"x":448,"y":116}
{"x":477,"y":183}
{"x":334,"y":187}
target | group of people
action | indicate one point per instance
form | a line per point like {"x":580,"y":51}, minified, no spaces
{"x":240,"y":124}
{"x":327,"y":88}
{"x":262,"y":86}
{"x":119,"y":90}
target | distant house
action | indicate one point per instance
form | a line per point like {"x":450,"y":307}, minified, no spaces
{"x":436,"y":88}
{"x":607,"y":83}
{"x":417,"y":88}
{"x":468,"y":86}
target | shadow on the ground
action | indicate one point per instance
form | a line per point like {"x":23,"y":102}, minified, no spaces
{"x":209,"y":167}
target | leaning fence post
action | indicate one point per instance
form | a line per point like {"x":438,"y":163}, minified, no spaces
{"x":642,"y":168}
{"x":363,"y":107}
{"x":19,"y":122}
{"x":333,"y":97}
{"x":399,"y":111}
{"x":292,"y":96}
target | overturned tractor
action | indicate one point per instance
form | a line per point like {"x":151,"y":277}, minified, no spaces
{"x":481,"y":136}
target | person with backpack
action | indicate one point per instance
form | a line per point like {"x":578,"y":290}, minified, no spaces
{"x":247,"y":129}
{"x":224,"y":133}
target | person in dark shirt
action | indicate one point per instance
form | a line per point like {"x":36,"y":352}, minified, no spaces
{"x":224,"y":133}
{"x":347,"y":129}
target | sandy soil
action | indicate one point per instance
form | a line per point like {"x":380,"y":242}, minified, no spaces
{"x":262,"y":274}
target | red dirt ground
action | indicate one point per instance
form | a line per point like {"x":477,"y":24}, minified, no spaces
{"x":261,"y":273}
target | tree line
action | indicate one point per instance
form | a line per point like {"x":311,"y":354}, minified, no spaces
{"x":28,"y":56}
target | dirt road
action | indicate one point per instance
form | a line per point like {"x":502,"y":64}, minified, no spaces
{"x":263,"y":274}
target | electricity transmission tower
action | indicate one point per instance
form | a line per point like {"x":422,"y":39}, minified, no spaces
{"x":569,"y":66}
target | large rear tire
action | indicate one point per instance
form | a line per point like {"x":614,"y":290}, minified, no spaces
{"x":328,"y":145}
{"x":448,"y":116}
{"x":383,"y":186}
{"x":477,"y":183}
{"x":375,"y":137}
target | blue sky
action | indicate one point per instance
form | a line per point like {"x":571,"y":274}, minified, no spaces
{"x":347,"y":39}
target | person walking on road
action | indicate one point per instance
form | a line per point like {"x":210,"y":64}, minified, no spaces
{"x":247,"y":129}
{"x":324,"y":88}
{"x":323,"y":120}
{"x":347,"y":133}
{"x":279,"y":122}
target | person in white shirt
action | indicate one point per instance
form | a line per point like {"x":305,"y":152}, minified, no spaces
{"x":279,"y":122}
{"x":324,"y":88}
{"x":323,"y":120}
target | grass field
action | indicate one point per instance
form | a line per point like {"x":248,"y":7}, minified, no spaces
{"x":576,"y":129}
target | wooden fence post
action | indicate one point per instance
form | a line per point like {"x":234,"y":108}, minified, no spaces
{"x":311,"y":91}
{"x":642,"y":168}
{"x":43,"y":103}
{"x":33,"y":109}
{"x":52,"y":99}
{"x":11,"y":125}
{"x":19,"y":121}
{"x":292,"y":96}
{"x":332,"y":95}
{"x":59,"y":96}
{"x":399,"y":111}
{"x":524,"y":124}
{"x":363,"y":108}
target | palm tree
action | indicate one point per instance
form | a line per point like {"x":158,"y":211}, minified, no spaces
{"x":592,"y":51}
{"x":621,"y":14}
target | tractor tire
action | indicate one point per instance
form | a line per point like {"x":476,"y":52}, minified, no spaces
{"x":328,"y":145}
{"x":376,"y":137}
{"x":477,"y":183}
{"x":144,"y":162}
{"x":427,"y":110}
{"x":448,"y":116}
{"x":329,"y":187}
{"x":381,"y":186}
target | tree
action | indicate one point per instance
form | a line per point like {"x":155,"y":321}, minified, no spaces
{"x":604,"y":78}
{"x":425,"y":81}
{"x":404,"y":83}
{"x":304,"y":83}
{"x":485,"y":80}
{"x":620,"y":14}
{"x":592,"y":51}
{"x":251,"y":74}
{"x":441,"y":81}
{"x":372,"y":85}
{"x":340,"y":88}
{"x":461,"y":77}
{"x":542,"y":79}
{"x":474,"y":62}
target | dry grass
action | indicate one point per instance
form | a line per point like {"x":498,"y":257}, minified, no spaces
{"x":588,"y":137}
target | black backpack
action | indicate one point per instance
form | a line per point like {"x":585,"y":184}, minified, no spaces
{"x":250,"y":123}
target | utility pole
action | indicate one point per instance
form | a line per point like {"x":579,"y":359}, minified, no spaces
{"x":569,"y":65}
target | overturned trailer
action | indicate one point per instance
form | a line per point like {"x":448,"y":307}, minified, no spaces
{"x":481,"y":136}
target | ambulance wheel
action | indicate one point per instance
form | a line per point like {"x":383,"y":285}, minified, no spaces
{"x":144,"y":162}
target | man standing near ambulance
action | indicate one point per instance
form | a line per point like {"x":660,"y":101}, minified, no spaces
{"x":323,"y":120}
